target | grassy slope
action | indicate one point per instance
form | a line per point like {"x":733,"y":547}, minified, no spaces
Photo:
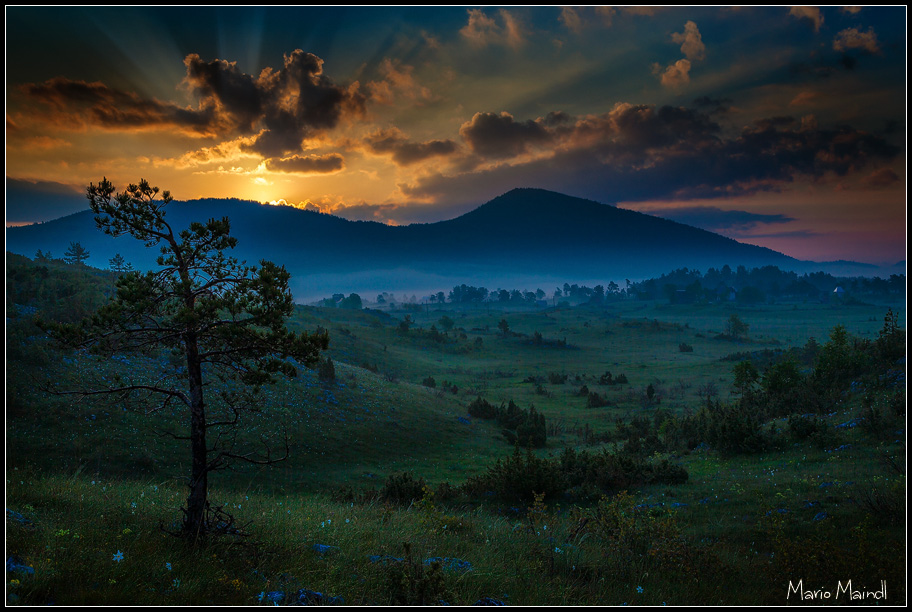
{"x":369,"y":425}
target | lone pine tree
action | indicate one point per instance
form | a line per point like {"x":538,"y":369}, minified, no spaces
{"x":225,"y":320}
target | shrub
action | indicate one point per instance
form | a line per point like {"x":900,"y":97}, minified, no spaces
{"x":410,"y":582}
{"x":685,"y":348}
{"x":595,"y":400}
{"x":429,"y":382}
{"x":402,"y":488}
{"x":557,"y":379}
{"x":327,"y":371}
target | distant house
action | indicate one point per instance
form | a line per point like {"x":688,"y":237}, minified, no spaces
{"x":839,"y":292}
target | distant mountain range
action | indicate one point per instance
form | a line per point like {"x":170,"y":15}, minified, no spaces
{"x":528,"y":235}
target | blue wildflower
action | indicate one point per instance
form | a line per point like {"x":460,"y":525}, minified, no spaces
{"x":118,"y":557}
{"x":639,"y":589}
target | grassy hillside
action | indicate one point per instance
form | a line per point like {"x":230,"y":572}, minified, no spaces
{"x":92,"y":486}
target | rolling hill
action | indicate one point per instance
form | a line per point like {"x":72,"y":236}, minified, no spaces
{"x":525,"y":234}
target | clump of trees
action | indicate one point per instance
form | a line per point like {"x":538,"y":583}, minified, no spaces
{"x":520,"y":426}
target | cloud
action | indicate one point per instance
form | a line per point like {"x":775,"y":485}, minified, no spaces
{"x":718,"y":220}
{"x":676,"y":75}
{"x":78,"y":104}
{"x":852,"y":38}
{"x":691,"y":42}
{"x":307,"y":164}
{"x":577,"y":18}
{"x":492,"y":135}
{"x":405,"y":152}
{"x":642,"y":152}
{"x":398,"y":82}
{"x":852,"y":10}
{"x":482,"y":30}
{"x":280,"y":108}
{"x":811,"y":13}
{"x":805,"y":98}
{"x":571,"y":19}
{"x":881,"y":179}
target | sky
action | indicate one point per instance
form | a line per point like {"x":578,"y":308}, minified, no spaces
{"x":781,"y":126}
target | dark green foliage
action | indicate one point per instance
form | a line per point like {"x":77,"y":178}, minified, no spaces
{"x":608,"y":379}
{"x":556,"y":378}
{"x":891,"y":342}
{"x":58,"y":292}
{"x":327,"y":371}
{"x":736,"y":328}
{"x":76,"y":254}
{"x":411,"y":582}
{"x":520,"y":476}
{"x":596,"y":400}
{"x":429,"y":382}
{"x":526,"y":427}
{"x":402,"y":488}
{"x":504,"y":327}
{"x":802,"y":427}
{"x":352,"y":302}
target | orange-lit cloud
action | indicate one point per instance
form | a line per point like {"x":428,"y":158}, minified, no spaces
{"x":482,"y":30}
{"x":77,"y":105}
{"x":691,"y":42}
{"x":307,"y":164}
{"x":811,"y":13}
{"x":852,"y":38}
{"x":675,"y":76}
{"x":398,"y":83}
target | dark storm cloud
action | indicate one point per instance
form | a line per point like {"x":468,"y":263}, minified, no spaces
{"x":639,"y":152}
{"x":405,"y":152}
{"x":76,"y":104}
{"x":282,"y":107}
{"x":716,"y":219}
{"x":307,"y":164}
{"x":293,"y":103}
{"x":492,"y":135}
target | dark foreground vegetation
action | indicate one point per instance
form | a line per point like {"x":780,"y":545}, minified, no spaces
{"x":576,"y":454}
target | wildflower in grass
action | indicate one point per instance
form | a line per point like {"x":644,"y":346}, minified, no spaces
{"x":168,"y":566}
{"x":118,"y":557}
{"x":639,"y":589}
{"x":127,"y":531}
{"x":558,"y":550}
{"x":176,"y":583}
{"x":14,"y":583}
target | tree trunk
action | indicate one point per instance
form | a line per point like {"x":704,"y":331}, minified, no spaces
{"x":195,"y":517}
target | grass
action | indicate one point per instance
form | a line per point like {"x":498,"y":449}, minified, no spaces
{"x":92,"y":479}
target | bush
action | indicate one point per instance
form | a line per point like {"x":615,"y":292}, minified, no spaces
{"x":685,"y":348}
{"x":327,"y":371}
{"x":402,"y":488}
{"x":594,"y":400}
{"x":413,"y":583}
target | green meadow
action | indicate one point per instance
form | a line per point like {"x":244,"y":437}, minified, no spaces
{"x":659,"y":476}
